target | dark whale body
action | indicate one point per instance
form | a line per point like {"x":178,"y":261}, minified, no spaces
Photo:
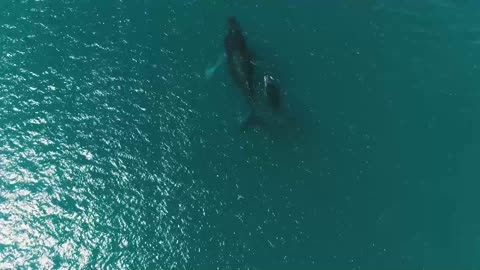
{"x":272,"y":91}
{"x":241,"y":68}
{"x":239,"y":59}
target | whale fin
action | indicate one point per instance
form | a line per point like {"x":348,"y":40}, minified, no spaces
{"x":210,"y":71}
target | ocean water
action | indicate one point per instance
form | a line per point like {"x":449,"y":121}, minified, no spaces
{"x":116,"y":152}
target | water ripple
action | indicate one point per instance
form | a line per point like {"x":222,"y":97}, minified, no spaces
{"x":88,"y":166}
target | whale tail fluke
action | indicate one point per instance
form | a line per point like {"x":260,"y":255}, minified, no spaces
{"x":253,"y":121}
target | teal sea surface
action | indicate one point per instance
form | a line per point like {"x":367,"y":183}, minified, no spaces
{"x":121,"y":146}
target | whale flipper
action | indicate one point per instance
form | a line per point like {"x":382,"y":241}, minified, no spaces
{"x":212,"y":69}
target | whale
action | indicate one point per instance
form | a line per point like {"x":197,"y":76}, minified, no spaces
{"x":239,"y":60}
{"x":272,"y":91}
{"x":264,"y":99}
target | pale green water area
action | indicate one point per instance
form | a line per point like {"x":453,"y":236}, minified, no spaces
{"x":121,"y":149}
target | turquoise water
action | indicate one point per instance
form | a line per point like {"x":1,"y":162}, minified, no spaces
{"x":117,"y":153}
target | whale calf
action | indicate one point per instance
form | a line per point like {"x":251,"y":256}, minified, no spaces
{"x":272,"y":91}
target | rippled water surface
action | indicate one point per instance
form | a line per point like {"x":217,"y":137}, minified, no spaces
{"x":117,"y":153}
